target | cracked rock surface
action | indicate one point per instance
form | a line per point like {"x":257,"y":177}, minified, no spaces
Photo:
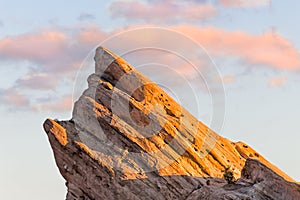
{"x":128,"y":139}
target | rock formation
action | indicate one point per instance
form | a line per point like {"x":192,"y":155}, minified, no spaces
{"x":128,"y":139}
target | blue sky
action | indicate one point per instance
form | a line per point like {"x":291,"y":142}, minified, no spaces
{"x":254,"y":44}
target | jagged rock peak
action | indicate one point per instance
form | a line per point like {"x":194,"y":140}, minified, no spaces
{"x":128,"y":139}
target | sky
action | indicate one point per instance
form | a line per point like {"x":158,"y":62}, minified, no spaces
{"x":254,"y":45}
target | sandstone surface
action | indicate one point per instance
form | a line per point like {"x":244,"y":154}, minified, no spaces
{"x":128,"y":139}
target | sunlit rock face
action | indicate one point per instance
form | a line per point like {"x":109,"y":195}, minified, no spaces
{"x":128,"y":139}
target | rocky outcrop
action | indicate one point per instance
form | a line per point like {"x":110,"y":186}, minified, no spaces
{"x":257,"y":182}
{"x":128,"y":139}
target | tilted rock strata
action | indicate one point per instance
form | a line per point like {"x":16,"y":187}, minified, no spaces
{"x":89,"y":178}
{"x":129,"y":139}
{"x":257,"y":182}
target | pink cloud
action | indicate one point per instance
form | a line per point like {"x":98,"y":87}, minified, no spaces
{"x":53,"y":55}
{"x":52,"y":47}
{"x":37,"y":81}
{"x":54,"y":58}
{"x":277,"y":81}
{"x":91,"y":36}
{"x":244,"y":3}
{"x":64,"y":56}
{"x":37,"y":46}
{"x":162,"y":11}
{"x":226,"y":79}
{"x":56,"y":105}
{"x":265,"y":49}
{"x":13,"y":97}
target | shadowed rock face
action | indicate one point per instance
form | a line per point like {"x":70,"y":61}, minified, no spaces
{"x":128,"y":139}
{"x":257,"y":182}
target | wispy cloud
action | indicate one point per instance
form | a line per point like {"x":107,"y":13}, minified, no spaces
{"x":86,"y":17}
{"x":53,"y":54}
{"x":266,"y":49}
{"x":244,"y":3}
{"x":62,"y":104}
{"x":175,"y":12}
{"x":37,"y":81}
{"x":92,"y":36}
{"x":162,"y":11}
{"x":277,"y":81}
{"x":226,"y":79}
{"x":46,"y":51}
{"x":58,"y":53}
{"x":1,"y":24}
{"x":54,"y":58}
{"x":38,"y":46}
{"x":12,"y":97}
